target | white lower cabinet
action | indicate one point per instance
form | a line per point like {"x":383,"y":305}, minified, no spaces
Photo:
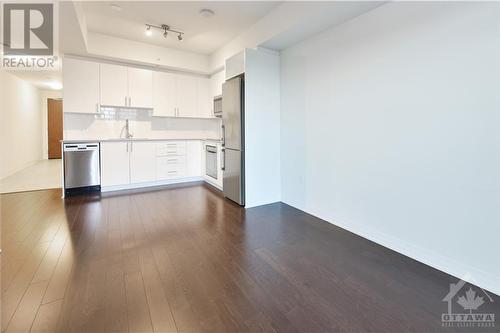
{"x":142,"y":162}
{"x":194,"y":151}
{"x":170,"y":160}
{"x":115,"y":160}
{"x":149,"y":162}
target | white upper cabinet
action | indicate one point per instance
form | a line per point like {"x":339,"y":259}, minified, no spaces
{"x":81,"y":86}
{"x":126,"y":86}
{"x":140,"y":88}
{"x":176,"y":95}
{"x":89,"y":85}
{"x":205,"y":100}
{"x":113,"y":85}
{"x":235,"y":65}
{"x":187,"y":96}
{"x":164,"y":95}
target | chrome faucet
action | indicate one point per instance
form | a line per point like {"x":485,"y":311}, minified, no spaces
{"x":128,"y":135}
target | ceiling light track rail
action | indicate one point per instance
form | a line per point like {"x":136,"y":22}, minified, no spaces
{"x":165,"y":28}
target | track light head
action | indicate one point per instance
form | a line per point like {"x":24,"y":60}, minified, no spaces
{"x":149,"y":32}
{"x":165,"y":33}
{"x":180,"y":38}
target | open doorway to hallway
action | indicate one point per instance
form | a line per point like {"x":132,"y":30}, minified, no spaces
{"x":31,"y":130}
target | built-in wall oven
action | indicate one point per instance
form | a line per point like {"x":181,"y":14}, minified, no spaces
{"x":211,"y":161}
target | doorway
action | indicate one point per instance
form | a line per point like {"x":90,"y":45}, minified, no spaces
{"x":55,"y":127}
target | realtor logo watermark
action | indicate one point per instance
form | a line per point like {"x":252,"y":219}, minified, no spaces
{"x":464,"y":307}
{"x":28,"y":36}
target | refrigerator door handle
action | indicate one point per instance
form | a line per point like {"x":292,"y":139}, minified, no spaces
{"x":223,"y":135}
{"x":223,"y":166}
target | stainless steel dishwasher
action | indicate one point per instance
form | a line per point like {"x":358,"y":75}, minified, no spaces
{"x":81,"y":167}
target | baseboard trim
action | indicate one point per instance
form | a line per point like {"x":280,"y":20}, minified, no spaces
{"x":435,"y":260}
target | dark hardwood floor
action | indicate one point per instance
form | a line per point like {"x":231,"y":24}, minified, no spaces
{"x":185,"y":259}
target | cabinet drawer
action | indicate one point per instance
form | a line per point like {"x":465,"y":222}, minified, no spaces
{"x":171,"y":148}
{"x":170,"y":167}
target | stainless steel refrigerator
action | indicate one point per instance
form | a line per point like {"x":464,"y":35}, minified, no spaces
{"x":233,"y":140}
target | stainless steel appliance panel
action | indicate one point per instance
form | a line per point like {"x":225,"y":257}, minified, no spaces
{"x":81,"y":165}
{"x":233,"y":180}
{"x":211,"y":161}
{"x":232,"y":114}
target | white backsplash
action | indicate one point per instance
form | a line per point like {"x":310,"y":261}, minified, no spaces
{"x":142,"y":125}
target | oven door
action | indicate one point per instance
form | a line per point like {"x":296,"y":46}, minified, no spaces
{"x":211,"y":161}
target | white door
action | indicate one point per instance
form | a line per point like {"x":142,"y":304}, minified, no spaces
{"x":187,"y":96}
{"x":164,"y":95}
{"x":142,"y":162}
{"x":115,"y":163}
{"x":194,"y":158}
{"x":140,"y":88}
{"x":205,"y":101}
{"x":81,"y":86}
{"x":113,"y":85}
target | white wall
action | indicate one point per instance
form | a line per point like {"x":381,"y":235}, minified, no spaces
{"x":119,"y":49}
{"x":389,"y":128}
{"x":20,"y":124}
{"x":44,"y":95}
{"x":262,"y":128}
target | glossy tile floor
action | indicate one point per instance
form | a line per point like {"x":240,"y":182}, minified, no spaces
{"x":185,"y":259}
{"x":45,"y":174}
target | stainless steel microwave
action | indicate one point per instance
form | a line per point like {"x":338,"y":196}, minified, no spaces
{"x":218,"y":106}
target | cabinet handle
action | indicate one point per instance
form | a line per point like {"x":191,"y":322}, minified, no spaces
{"x":223,"y":135}
{"x":127,"y":147}
{"x":130,"y":101}
{"x":97,"y":108}
{"x":131,"y":146}
{"x":125,"y":100}
{"x":223,"y":166}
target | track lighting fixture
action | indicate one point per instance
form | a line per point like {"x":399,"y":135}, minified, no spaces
{"x":166,"y":29}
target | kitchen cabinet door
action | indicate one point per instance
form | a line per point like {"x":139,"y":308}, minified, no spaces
{"x":187,"y":96}
{"x":164,"y":94}
{"x":113,"y":81}
{"x":205,"y":101}
{"x":142,"y":162}
{"x":81,"y":86}
{"x":115,"y":163}
{"x":193,"y":158}
{"x":140,"y":88}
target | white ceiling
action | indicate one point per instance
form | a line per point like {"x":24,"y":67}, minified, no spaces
{"x":202,"y":35}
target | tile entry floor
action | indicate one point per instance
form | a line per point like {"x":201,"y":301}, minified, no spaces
{"x":44,"y":174}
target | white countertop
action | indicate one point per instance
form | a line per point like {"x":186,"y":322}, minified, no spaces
{"x":138,"y":139}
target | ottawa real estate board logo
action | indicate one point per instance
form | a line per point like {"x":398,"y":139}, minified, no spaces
{"x":468,"y":307}
{"x":28,"y":36}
